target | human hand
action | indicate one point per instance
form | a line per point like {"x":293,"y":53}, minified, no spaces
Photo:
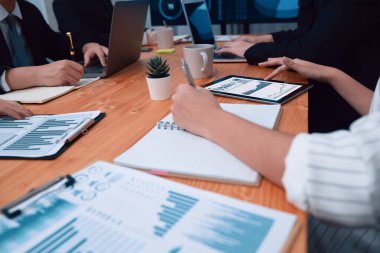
{"x":62,"y":72}
{"x":91,"y":50}
{"x":192,"y":108}
{"x":307,"y":69}
{"x":236,"y":47}
{"x":256,"y":38}
{"x":14,"y":110}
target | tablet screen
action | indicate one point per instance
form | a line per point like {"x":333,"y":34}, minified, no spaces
{"x":254,"y":88}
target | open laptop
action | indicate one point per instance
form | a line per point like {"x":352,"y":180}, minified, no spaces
{"x":127,"y":30}
{"x":199,"y":24}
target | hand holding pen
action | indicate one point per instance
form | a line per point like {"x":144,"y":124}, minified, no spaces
{"x":192,"y":105}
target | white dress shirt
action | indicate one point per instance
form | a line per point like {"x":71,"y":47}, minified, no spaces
{"x":4,"y":28}
{"x":336,"y":176}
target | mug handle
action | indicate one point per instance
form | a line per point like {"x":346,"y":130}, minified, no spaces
{"x":205,"y":60}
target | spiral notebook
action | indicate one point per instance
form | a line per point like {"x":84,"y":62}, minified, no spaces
{"x":40,"y":95}
{"x":168,"y":150}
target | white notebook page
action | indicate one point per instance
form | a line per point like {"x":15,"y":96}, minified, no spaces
{"x":180,"y":153}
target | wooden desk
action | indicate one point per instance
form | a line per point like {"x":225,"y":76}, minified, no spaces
{"x":130,"y":115}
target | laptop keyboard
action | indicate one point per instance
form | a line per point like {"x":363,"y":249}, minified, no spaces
{"x":225,"y":56}
{"x":94,"y":69}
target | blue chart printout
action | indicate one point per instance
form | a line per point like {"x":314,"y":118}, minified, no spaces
{"x":114,"y":209}
{"x":41,"y":135}
{"x":254,"y":88}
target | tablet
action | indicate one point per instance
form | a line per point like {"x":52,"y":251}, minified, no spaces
{"x":255,"y":89}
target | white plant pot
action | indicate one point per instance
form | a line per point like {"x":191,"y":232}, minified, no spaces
{"x":159,"y":88}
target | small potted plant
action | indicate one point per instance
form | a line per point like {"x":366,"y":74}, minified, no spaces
{"x":158,"y":78}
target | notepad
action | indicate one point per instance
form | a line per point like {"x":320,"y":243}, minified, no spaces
{"x":170,"y":151}
{"x":165,"y":51}
{"x":40,"y":95}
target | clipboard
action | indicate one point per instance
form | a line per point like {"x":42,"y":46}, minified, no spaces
{"x":68,"y":142}
{"x":15,"y":208}
{"x":73,"y":140}
{"x":104,"y":204}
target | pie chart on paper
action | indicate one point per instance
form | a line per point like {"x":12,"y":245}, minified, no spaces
{"x":277,"y":8}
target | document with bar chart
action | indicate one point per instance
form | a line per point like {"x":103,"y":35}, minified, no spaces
{"x":115,"y":209}
{"x":41,"y":135}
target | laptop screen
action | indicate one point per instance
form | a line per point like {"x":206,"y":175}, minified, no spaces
{"x":199,"y":22}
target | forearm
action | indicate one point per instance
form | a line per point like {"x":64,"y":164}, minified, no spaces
{"x":262,"y":38}
{"x":262,"y":149}
{"x":23,"y":77}
{"x":356,"y":94}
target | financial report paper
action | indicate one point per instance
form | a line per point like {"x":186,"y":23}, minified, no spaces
{"x":40,"y":135}
{"x":115,"y":209}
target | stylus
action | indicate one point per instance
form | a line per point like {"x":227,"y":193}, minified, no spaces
{"x":188,"y":75}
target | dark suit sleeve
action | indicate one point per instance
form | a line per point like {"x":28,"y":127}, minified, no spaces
{"x":307,"y":12}
{"x":2,"y":69}
{"x":45,"y":43}
{"x":336,"y":28}
{"x":70,"y":19}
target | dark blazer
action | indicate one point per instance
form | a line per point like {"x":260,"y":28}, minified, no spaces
{"x":308,"y":10}
{"x":42,"y":41}
{"x":345,"y":34}
{"x":87,"y":20}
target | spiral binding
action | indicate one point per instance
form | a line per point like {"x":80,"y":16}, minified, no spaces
{"x":167,"y":125}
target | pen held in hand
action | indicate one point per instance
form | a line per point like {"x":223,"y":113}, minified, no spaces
{"x":72,"y":49}
{"x":188,"y":75}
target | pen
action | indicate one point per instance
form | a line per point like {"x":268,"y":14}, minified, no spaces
{"x":72,"y":50}
{"x":188,"y":75}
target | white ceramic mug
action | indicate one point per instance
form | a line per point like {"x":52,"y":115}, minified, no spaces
{"x":200,"y":58}
{"x":164,"y":37}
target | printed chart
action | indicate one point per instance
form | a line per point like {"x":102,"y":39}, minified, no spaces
{"x":113,"y":209}
{"x":39,"y":135}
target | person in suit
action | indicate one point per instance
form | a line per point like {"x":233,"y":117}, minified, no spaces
{"x":341,"y":34}
{"x":333,"y":176}
{"x":26,"y":41}
{"x":87,"y":20}
{"x":308,"y":10}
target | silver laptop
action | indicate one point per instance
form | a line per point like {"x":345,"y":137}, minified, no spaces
{"x":127,"y":30}
{"x":199,"y":24}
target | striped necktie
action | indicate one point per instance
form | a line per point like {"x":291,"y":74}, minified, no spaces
{"x":20,"y":54}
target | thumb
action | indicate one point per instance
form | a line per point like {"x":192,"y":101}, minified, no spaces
{"x":86,"y":59}
{"x":101,"y":57}
{"x":105,"y":50}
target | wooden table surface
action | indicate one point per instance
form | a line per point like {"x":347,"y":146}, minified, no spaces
{"x":130,"y":115}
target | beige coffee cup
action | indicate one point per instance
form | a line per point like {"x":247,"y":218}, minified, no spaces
{"x":164,"y":37}
{"x":199,"y":58}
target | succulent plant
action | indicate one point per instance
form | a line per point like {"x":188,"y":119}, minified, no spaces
{"x":157,"y":68}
